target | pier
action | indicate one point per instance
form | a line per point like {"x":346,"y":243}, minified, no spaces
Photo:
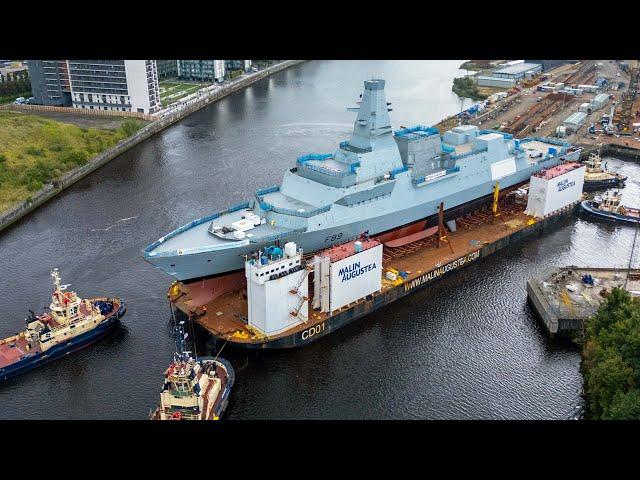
{"x":565,"y":298}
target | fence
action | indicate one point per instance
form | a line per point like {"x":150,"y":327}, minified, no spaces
{"x":81,"y":111}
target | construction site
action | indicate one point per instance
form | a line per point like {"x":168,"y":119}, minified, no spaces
{"x":542,"y":105}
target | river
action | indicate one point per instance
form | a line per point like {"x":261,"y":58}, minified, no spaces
{"x":466,"y":347}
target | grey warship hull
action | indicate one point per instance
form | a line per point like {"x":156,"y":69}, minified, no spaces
{"x":375,"y":182}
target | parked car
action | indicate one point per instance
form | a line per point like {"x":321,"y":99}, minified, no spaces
{"x":20,"y":100}
{"x":31,"y":101}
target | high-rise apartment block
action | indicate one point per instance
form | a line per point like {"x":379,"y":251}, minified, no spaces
{"x":122,"y":85}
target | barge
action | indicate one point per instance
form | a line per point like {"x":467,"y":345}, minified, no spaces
{"x":410,"y":266}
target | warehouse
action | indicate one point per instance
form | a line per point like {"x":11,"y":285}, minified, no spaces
{"x":518,"y":71}
{"x":599,"y":101}
{"x":586,"y":108}
{"x":484,"y":81}
{"x":574,"y":121}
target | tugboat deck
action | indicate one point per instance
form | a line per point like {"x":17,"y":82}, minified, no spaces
{"x":11,"y":352}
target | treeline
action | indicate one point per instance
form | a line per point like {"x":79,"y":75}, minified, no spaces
{"x":611,"y":359}
{"x":465,"y":87}
{"x":15,"y":84}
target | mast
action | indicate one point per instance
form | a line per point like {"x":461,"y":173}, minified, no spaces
{"x":373,"y":120}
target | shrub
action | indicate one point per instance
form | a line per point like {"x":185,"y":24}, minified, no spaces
{"x":35,"y":151}
{"x":74,"y":157}
{"x":129,"y":127}
{"x":34,"y":185}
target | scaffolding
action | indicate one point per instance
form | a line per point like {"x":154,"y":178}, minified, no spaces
{"x":624,"y":116}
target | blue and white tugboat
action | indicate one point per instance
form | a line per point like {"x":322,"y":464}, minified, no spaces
{"x":194,"y":389}
{"x":608,"y":207}
{"x":70,"y":324}
{"x":597,"y":178}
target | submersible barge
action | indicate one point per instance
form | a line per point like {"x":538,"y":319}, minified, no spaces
{"x":413,"y":266}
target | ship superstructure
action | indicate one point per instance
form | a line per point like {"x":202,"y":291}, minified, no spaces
{"x":376,"y":181}
{"x":70,"y":324}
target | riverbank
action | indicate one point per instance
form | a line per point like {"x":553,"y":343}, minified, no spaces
{"x":48,"y":191}
{"x":35,"y":151}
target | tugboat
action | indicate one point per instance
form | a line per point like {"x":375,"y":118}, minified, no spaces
{"x":194,"y":389}
{"x":609,"y":207}
{"x":597,"y":178}
{"x":71,"y":324}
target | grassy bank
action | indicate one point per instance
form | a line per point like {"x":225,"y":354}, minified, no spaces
{"x":465,"y":87}
{"x":173,"y":90}
{"x":36,"y":150}
{"x":611,"y":359}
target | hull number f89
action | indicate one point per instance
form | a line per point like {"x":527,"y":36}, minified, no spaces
{"x":333,"y":238}
{"x":310,"y":332}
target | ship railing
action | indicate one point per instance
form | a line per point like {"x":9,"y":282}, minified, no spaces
{"x":398,"y":170}
{"x":195,"y":223}
{"x":553,"y":141}
{"x":506,"y":135}
{"x":327,"y":171}
{"x":276,"y":236}
{"x":268,"y":207}
{"x":447,"y":148}
{"x":265,"y":191}
{"x":468,"y":154}
{"x":416,"y":130}
{"x":313,"y":156}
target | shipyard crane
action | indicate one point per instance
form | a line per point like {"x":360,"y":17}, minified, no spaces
{"x":624,"y":117}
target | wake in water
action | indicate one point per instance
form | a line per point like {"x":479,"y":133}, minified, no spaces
{"x":111,"y":226}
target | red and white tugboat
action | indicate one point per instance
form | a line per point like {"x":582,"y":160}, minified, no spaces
{"x":194,"y":389}
{"x":70,"y":324}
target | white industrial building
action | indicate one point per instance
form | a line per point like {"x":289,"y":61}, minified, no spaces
{"x":555,"y":188}
{"x":120,"y":85}
{"x":599,"y":101}
{"x":586,"y":108}
{"x":518,"y":71}
{"x":574,"y":121}
{"x":486,"y":81}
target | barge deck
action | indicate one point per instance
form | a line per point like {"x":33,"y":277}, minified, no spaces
{"x":477,"y":236}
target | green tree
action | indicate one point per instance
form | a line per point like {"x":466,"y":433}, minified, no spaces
{"x":611,"y":358}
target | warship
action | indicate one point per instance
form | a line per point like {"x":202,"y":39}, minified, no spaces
{"x":378,"y":181}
